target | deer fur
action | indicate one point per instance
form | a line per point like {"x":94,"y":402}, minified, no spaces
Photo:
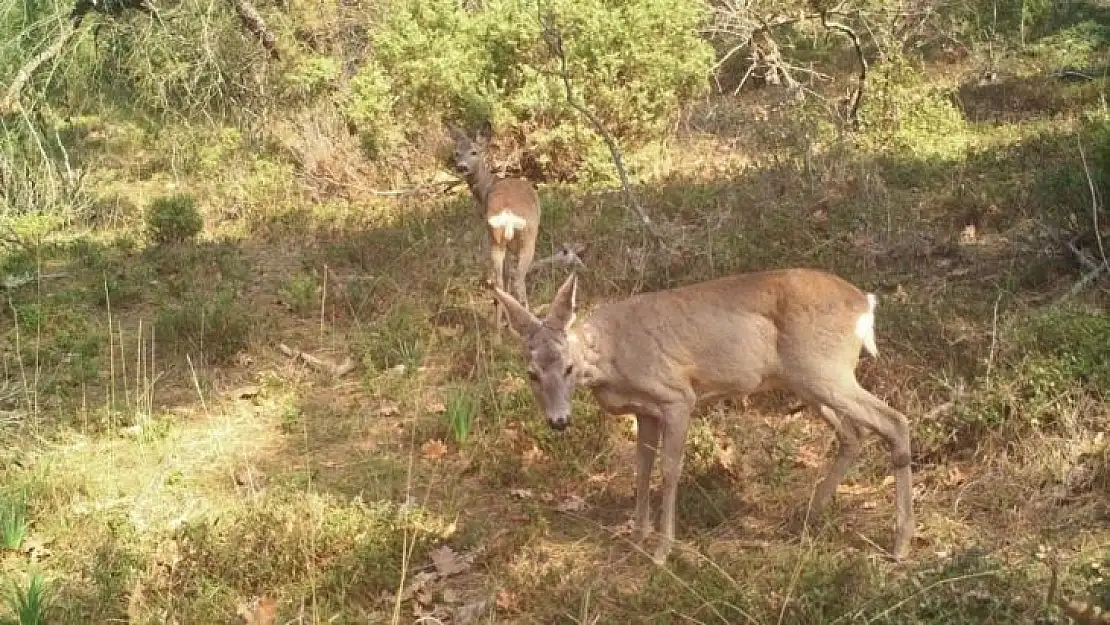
{"x":655,"y":355}
{"x":510,"y":210}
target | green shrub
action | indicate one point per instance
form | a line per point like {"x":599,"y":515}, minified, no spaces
{"x":29,"y":604}
{"x":632,"y":62}
{"x":215,"y":327}
{"x":173,"y":218}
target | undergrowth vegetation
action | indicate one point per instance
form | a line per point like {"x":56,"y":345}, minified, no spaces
{"x":249,"y":373}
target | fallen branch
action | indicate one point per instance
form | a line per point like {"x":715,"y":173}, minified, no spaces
{"x":10,"y":102}
{"x":253,"y":22}
{"x":554,"y":39}
{"x":319,"y":364}
{"x":431,"y":187}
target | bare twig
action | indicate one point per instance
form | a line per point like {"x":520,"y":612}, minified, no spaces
{"x":554,"y":39}
{"x":1095,"y":270}
{"x":431,"y":187}
{"x":319,"y":364}
{"x":1096,"y":206}
{"x":857,"y":95}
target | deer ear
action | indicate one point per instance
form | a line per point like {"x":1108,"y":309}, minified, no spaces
{"x":565,"y":303}
{"x":454,"y":131}
{"x":523,"y":322}
{"x":484,"y":132}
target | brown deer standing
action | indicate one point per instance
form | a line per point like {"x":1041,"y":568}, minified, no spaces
{"x":655,"y":355}
{"x":510,"y":208}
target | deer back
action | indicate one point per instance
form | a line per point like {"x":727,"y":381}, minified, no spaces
{"x":730,"y":336}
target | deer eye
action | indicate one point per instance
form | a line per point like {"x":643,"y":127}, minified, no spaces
{"x":474,"y":153}
{"x":533,"y":376}
{"x":570,"y":370}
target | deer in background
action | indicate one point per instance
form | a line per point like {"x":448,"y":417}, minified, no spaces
{"x":655,"y":355}
{"x":510,"y":208}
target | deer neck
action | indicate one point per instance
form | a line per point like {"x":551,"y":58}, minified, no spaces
{"x":480,"y":182}
{"x":582,"y":343}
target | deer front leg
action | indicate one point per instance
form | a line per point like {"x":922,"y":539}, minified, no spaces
{"x":647,"y":441}
{"x":675,"y":422}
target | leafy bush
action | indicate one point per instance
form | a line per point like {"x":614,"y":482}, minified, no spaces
{"x":173,"y":218}
{"x":632,"y":63}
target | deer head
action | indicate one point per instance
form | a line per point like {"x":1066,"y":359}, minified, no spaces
{"x":547,"y":349}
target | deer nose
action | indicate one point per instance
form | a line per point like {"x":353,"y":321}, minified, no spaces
{"x":558,"y":423}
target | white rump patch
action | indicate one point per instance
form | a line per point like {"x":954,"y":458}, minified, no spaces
{"x":865,"y":326}
{"x":509,"y":222}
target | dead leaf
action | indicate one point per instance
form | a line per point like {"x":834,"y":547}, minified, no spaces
{"x":417,"y":583}
{"x":808,"y":457}
{"x":450,"y":595}
{"x":36,"y":546}
{"x":506,"y":600}
{"x":243,"y":359}
{"x":900,"y":294}
{"x":533,"y":455}
{"x":574,"y":503}
{"x":969,"y":234}
{"x":955,"y":477}
{"x":245,"y":392}
{"x":259,"y":611}
{"x":435,"y":407}
{"x":249,"y":476}
{"x":624,"y":529}
{"x":136,"y":603}
{"x":424,"y":596}
{"x":869,"y":505}
{"x":447,"y":562}
{"x":509,"y":385}
{"x":725,"y":454}
{"x":450,"y":331}
{"x":434,"y":449}
{"x":388,"y":409}
{"x":471,"y":612}
{"x":521,"y":493}
{"x":854,"y":489}
{"x":397,"y":369}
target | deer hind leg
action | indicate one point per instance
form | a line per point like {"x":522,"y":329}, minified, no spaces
{"x":847,"y":453}
{"x":524,"y":258}
{"x":497,"y":276}
{"x":866,"y":410}
{"x":674,"y":424}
